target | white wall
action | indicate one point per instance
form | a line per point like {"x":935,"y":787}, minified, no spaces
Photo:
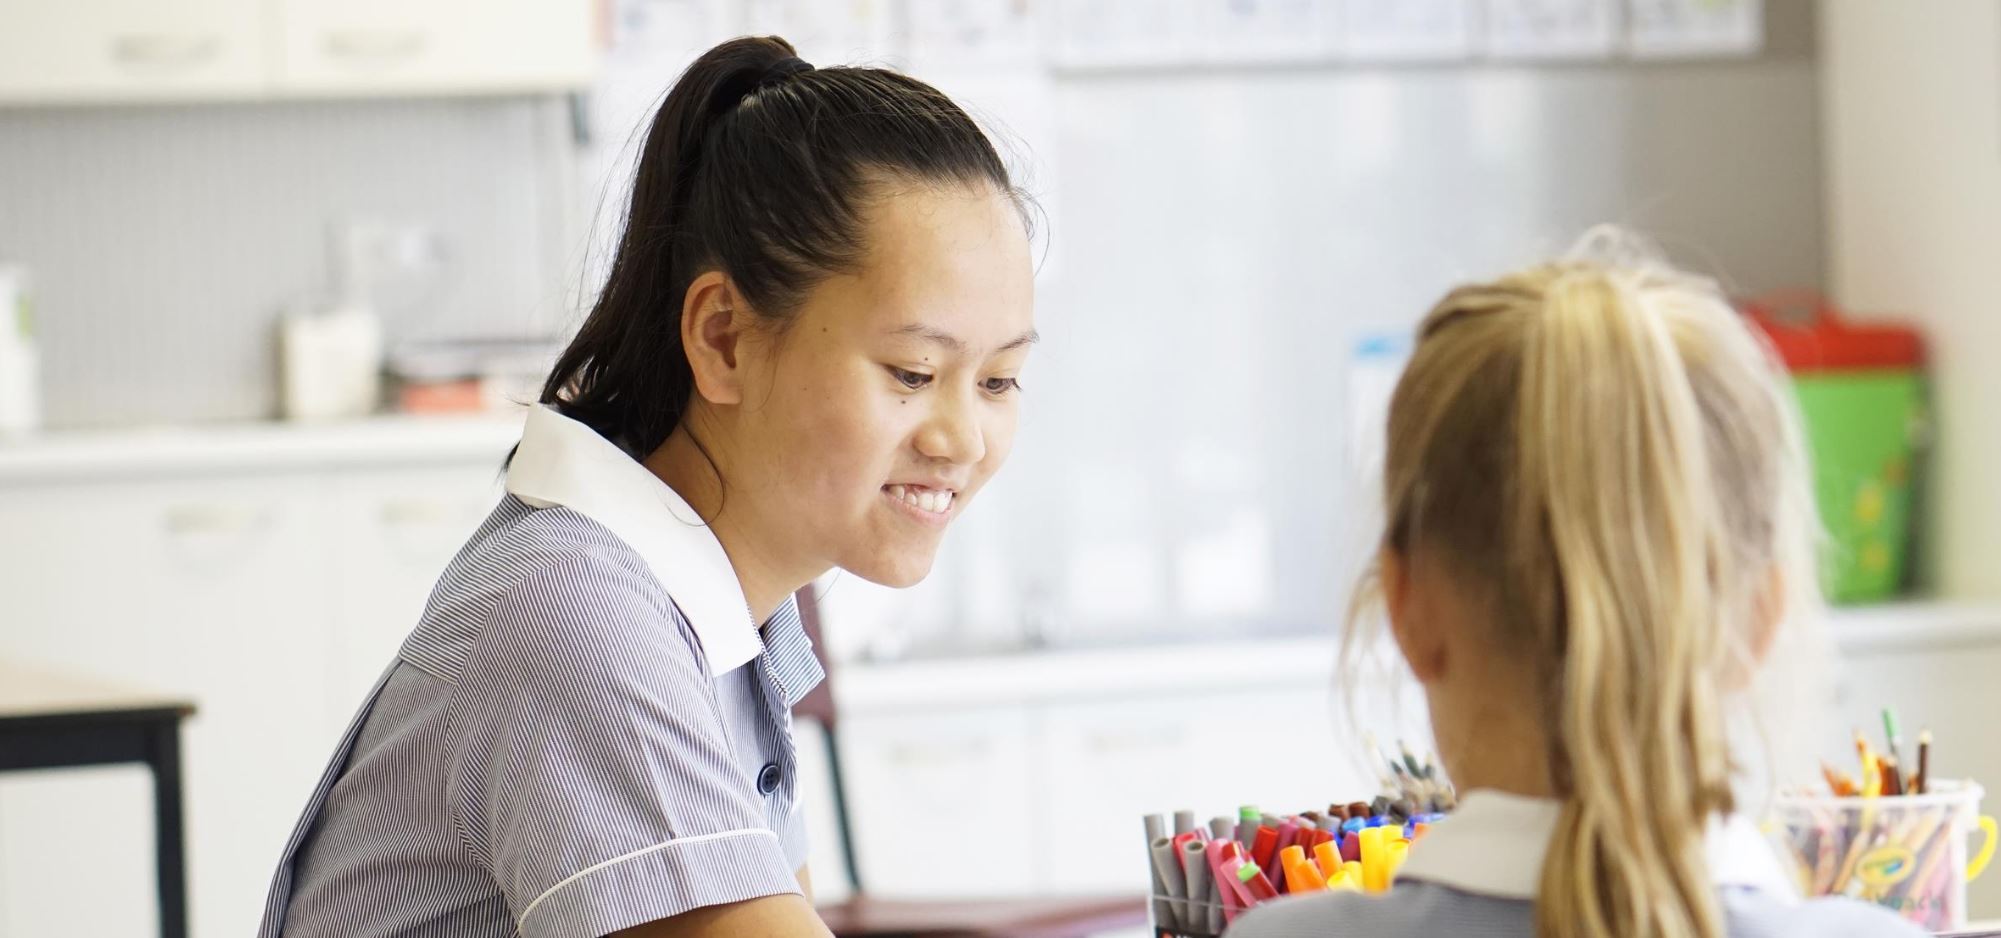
{"x":1221,"y":235}
{"x":1912,"y":119}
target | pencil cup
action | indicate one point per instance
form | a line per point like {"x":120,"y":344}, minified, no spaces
{"x":1907,"y":853}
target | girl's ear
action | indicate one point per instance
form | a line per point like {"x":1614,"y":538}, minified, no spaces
{"x":1417,"y":636}
{"x":1766,"y":614}
{"x":712,"y":329}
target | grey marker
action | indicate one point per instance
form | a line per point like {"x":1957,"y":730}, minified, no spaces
{"x":1204,"y":902}
{"x":1170,"y":913}
{"x":1222,"y":828}
{"x":1156,"y":831}
{"x":1184,"y":821}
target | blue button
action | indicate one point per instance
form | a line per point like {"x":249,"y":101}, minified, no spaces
{"x":767,"y":780}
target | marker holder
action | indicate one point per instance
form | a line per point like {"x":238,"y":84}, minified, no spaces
{"x":1175,"y":927}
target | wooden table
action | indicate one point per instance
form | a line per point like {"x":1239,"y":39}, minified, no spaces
{"x":867,"y":917}
{"x":51,"y":720}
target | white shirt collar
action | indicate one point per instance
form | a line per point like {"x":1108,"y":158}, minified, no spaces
{"x":1493,"y":845}
{"x":563,"y":462}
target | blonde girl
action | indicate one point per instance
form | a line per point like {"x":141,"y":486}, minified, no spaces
{"x":1596,"y":523}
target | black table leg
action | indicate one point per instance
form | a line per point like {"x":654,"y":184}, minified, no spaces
{"x":164,"y":755}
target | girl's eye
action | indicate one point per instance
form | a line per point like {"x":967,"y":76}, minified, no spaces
{"x":999,"y":386}
{"x":910,"y":379}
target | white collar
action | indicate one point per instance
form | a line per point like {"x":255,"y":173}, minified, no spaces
{"x":563,"y":462}
{"x":1493,"y":845}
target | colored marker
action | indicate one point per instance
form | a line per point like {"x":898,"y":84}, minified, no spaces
{"x":1219,"y":853}
{"x":1156,"y":828}
{"x":1328,"y":856}
{"x":1300,"y":873}
{"x":1265,"y":844}
{"x":1288,"y":835}
{"x":1202,"y":895}
{"x":1375,"y":860}
{"x":1170,"y":881}
{"x":1251,"y":880}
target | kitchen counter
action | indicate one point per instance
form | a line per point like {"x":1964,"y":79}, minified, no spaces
{"x":393,"y":440}
{"x":1909,"y":626}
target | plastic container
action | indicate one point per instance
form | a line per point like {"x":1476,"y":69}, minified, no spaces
{"x":1861,"y":393}
{"x":1906,"y":853}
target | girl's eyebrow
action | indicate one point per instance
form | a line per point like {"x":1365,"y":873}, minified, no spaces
{"x":953,"y":343}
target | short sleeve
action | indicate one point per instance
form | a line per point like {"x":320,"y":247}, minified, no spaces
{"x":591,"y":769}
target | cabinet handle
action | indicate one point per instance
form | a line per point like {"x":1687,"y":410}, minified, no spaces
{"x":209,"y":538}
{"x":159,"y":51}
{"x":418,"y":512}
{"x":207,"y":519}
{"x":375,"y":47}
{"x":918,"y":754}
{"x":1109,"y":743}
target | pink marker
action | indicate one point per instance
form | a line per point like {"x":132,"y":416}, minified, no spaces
{"x":1288,"y":835}
{"x":1247,"y":881}
{"x":1228,"y":892}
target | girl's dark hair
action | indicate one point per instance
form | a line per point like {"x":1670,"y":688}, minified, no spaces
{"x":762,"y":167}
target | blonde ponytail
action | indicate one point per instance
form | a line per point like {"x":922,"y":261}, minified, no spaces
{"x":1604,"y":444}
{"x":1614,"y":475}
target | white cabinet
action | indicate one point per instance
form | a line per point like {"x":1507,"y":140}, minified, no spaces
{"x":266,"y":573}
{"x":393,"y":531}
{"x":943,"y":802}
{"x":84,"y":51}
{"x":1108,"y":764}
{"x":204,"y":588}
{"x":433,"y":46}
{"x":131,"y":49}
{"x":1056,"y":789}
{"x":1057,"y":757}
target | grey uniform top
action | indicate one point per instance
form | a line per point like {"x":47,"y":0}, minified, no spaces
{"x":1475,"y":874}
{"x":1428,"y":909}
{"x":585,"y":731}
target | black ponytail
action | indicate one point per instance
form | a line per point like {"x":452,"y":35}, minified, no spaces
{"x":760,"y":166}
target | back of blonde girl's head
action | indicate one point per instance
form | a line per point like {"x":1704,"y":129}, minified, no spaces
{"x":1602,"y":450}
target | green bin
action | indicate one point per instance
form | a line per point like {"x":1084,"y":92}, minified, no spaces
{"x":1861,"y":392}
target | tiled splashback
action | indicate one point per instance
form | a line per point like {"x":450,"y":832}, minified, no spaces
{"x":165,"y":241}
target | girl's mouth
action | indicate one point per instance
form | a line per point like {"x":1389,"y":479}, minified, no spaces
{"x":926,"y":503}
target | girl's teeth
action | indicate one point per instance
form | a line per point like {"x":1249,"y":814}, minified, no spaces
{"x":936,"y":502}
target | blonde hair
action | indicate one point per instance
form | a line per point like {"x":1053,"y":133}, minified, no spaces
{"x":1602,"y":452}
